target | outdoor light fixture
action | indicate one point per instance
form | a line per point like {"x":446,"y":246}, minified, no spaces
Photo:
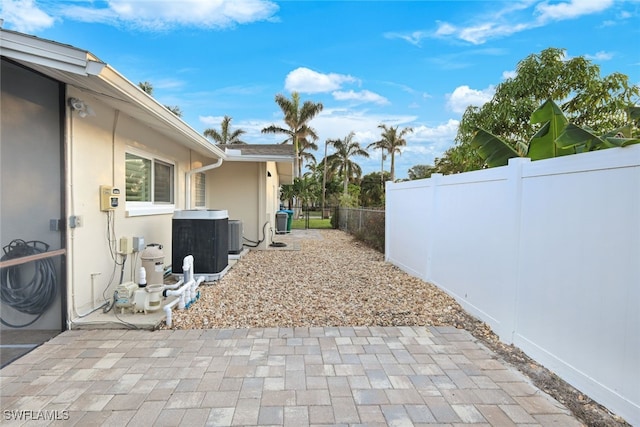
{"x":81,"y":107}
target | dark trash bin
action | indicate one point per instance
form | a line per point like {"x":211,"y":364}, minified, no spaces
{"x":281,"y":222}
{"x":289,"y":218}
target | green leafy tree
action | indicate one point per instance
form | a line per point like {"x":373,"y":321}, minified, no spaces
{"x":458,"y":158}
{"x":585,"y":97}
{"x":298,"y":132}
{"x":392,"y":141}
{"x":308,"y":190}
{"x":420,"y":171}
{"x":225,"y":135}
{"x":341,"y":162}
{"x":556,"y":137}
{"x":371,"y":193}
{"x":351,"y":197}
{"x":333,"y":182}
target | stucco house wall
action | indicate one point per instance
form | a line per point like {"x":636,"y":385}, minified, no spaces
{"x":248,"y":193}
{"x":124,"y":119}
{"x":96,"y":150}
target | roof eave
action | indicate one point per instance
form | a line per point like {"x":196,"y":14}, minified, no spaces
{"x":158,"y":111}
{"x":81,"y":67}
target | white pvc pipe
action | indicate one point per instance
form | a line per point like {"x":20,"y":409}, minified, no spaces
{"x":175,"y":285}
{"x":187,"y":268}
{"x":194,"y":288}
{"x":182,"y":289}
{"x":167,"y":311}
{"x":180,"y":293}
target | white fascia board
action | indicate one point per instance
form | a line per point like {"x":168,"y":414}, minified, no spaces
{"x":50,"y":54}
{"x":259,"y":158}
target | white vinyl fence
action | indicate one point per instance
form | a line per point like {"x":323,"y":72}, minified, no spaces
{"x":547,"y":253}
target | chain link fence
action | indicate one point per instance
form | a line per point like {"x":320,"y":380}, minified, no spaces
{"x":366,"y":225}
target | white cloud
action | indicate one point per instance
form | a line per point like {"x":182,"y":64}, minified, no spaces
{"x":168,"y":83}
{"x":305,"y":80}
{"x":335,"y":123}
{"x":445,"y":29}
{"x":571,"y":9}
{"x":479,"y":34}
{"x":415,"y":38}
{"x":625,"y":15}
{"x":441,"y":134}
{"x":432,"y":140}
{"x":24,"y":16}
{"x":424,"y":145}
{"x":511,"y":18}
{"x":211,"y":121}
{"x":159,"y":15}
{"x":600,"y":56}
{"x":464,"y":96}
{"x":362,"y":96}
{"x":509,"y":74}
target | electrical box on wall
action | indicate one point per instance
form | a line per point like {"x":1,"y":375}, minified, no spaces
{"x":109,"y":198}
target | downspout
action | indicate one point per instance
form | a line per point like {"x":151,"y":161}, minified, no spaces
{"x":188,"y":179}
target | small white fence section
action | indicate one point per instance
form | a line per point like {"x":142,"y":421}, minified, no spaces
{"x":546,"y":252}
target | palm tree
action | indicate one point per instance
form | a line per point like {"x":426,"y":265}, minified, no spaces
{"x":341,"y":159}
{"x":225,"y":136}
{"x":297,"y":118}
{"x":391,"y":141}
{"x":380,"y":145}
{"x":147,"y":87}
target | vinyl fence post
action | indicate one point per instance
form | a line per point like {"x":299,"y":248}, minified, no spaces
{"x":511,"y":288}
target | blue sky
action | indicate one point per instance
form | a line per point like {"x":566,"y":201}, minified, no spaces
{"x":408,"y":63}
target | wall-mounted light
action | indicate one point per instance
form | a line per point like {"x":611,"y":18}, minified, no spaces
{"x":81,"y":107}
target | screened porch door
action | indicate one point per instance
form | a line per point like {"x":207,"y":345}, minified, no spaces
{"x":31,"y":211}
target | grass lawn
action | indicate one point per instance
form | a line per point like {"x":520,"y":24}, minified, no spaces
{"x":313,"y":223}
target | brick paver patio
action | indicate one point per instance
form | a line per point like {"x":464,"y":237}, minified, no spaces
{"x":399,"y":376}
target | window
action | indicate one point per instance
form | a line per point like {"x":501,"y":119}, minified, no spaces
{"x":199,"y":181}
{"x":149,"y":185}
{"x":138,"y":179}
{"x":162,"y":182}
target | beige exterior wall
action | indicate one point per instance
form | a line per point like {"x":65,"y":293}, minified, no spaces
{"x":96,"y":147}
{"x":272,"y":193}
{"x":95,"y":151}
{"x":246,"y":191}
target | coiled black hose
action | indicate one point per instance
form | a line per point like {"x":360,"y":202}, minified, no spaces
{"x":32,"y":296}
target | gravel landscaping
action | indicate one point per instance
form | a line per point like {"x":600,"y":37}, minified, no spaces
{"x":330,"y":279}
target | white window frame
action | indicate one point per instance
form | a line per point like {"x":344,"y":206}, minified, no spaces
{"x":152,"y":207}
